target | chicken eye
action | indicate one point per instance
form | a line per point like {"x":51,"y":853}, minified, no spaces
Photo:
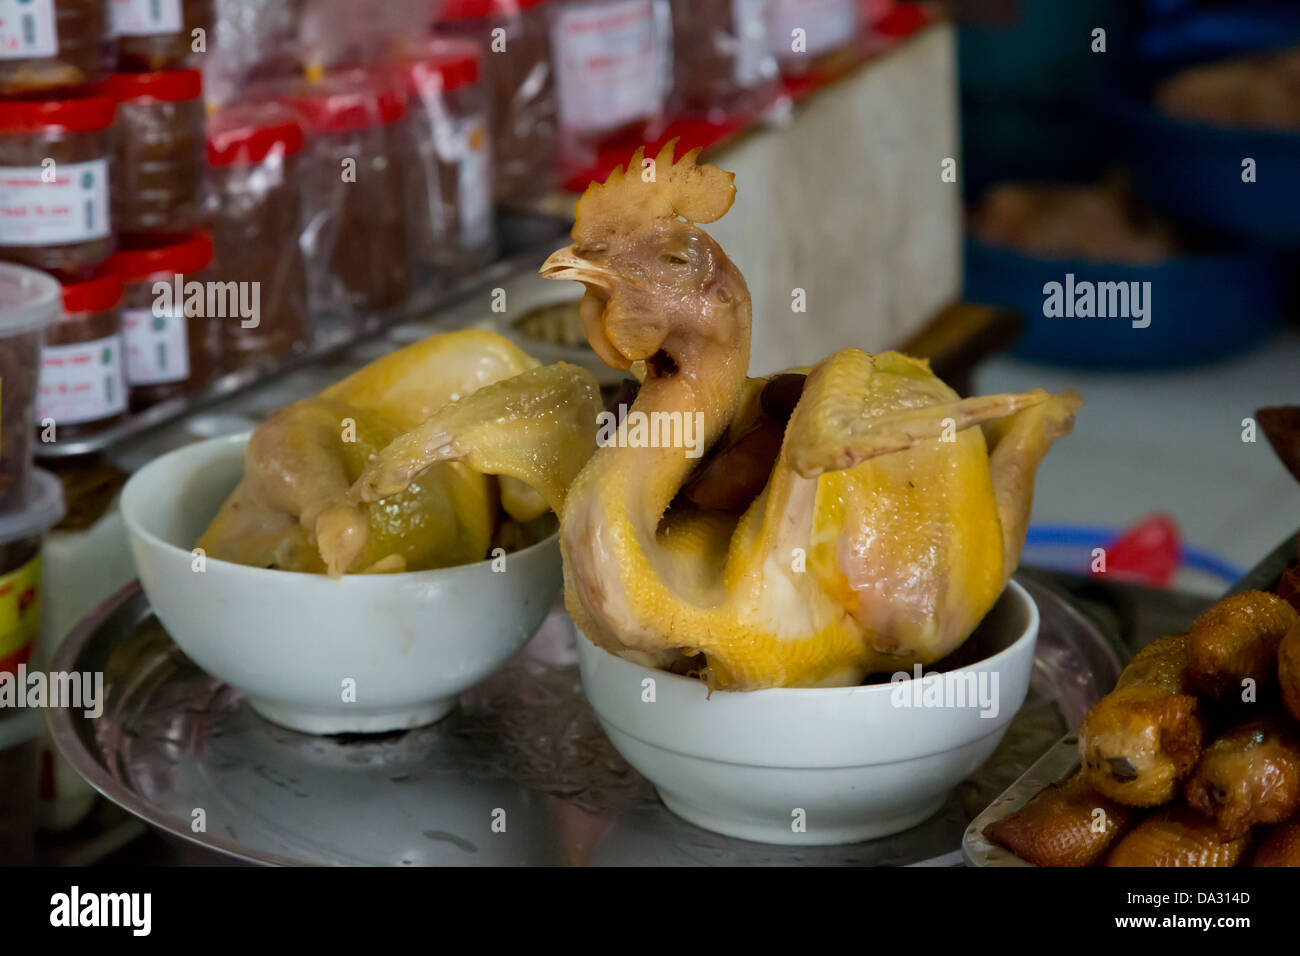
{"x":673,"y":260}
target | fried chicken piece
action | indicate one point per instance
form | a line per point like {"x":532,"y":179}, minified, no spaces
{"x":1248,"y":775}
{"x":1237,"y":640}
{"x":1281,"y":847}
{"x":1142,"y":738}
{"x":1288,"y":670}
{"x":1069,"y":824}
{"x":1177,"y":836}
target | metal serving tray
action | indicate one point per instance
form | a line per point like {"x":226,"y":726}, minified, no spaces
{"x":524,"y":746}
{"x":526,"y":239}
{"x":1063,"y":758}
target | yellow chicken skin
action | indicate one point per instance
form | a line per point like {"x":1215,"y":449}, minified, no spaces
{"x":887,"y":527}
{"x":293,"y":512}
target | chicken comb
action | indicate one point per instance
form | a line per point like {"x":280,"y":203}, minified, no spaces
{"x":674,"y":188}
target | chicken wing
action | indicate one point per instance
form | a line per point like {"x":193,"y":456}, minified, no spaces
{"x":1069,"y":824}
{"x":1248,"y":775}
{"x":1281,"y":847}
{"x":1143,"y":737}
{"x":1176,"y":836}
{"x":1236,"y":642}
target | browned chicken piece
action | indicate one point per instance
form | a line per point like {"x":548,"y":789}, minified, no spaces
{"x":1281,"y":847}
{"x":1069,"y":824}
{"x":1261,"y":90}
{"x":1248,"y":775}
{"x":1288,"y":670}
{"x":1142,"y":738}
{"x":1177,"y":836}
{"x":1101,"y":222}
{"x":1236,"y":641}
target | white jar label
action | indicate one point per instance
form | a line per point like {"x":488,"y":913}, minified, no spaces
{"x":157,"y":346}
{"x":827,"y":25}
{"x":753,"y":46}
{"x":53,"y":205}
{"x":142,"y":18}
{"x":610,"y":64}
{"x":82,"y":382}
{"x":475,"y":183}
{"x":27,"y":29}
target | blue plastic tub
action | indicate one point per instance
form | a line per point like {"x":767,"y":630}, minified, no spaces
{"x":1193,"y":172}
{"x":1203,"y":307}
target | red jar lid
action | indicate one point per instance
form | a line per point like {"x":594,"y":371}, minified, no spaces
{"x":77,"y":116}
{"x":443,"y":65}
{"x":174,"y":86}
{"x":249,"y":134}
{"x":480,"y":9}
{"x":97,"y":294}
{"x":185,"y":256}
{"x":357,"y":99}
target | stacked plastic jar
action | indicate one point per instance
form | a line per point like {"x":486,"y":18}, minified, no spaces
{"x":814,"y":36}
{"x":55,"y":160}
{"x":254,"y":159}
{"x":31,"y":502}
{"x":515,"y":38}
{"x":158,"y":35}
{"x":82,"y":384}
{"x":613,"y":65}
{"x":171,"y":318}
{"x":723,"y":66}
{"x":159,"y":173}
{"x":49,"y":45}
{"x":450,"y":168}
{"x":354,"y":192}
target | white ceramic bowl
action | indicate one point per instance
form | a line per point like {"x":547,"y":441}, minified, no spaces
{"x":409,"y":643}
{"x":816,"y":765}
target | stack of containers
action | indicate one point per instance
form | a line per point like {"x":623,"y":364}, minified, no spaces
{"x":31,"y":502}
{"x":170,"y":340}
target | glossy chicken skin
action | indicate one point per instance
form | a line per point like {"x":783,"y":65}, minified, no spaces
{"x":1233,"y":646}
{"x":1281,"y":847}
{"x":1248,"y":775}
{"x":1177,"y":836}
{"x":292,"y":510}
{"x":1069,"y":824}
{"x":1288,"y":670}
{"x":1141,"y":739}
{"x":888,"y":525}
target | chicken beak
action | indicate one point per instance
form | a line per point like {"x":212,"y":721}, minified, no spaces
{"x":567,"y":264}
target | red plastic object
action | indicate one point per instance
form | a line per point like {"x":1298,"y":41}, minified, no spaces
{"x":1149,"y":552}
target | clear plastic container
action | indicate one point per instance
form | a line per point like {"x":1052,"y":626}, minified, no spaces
{"x":21,"y":532}
{"x":355,"y":197}
{"x":82,"y":384}
{"x":171,"y":340}
{"x":816,"y":37}
{"x":55,"y":168}
{"x":157,"y":35}
{"x":613,"y":65}
{"x":29,"y":301}
{"x":723,"y":65}
{"x":53,"y":45}
{"x":515,"y":35}
{"x":450,"y":183}
{"x":254,"y":160}
{"x":158,"y":177}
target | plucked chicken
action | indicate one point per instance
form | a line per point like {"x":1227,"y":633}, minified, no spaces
{"x":883,"y":527}
{"x":293,"y":509}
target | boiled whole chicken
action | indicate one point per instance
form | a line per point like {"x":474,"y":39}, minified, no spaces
{"x":883,"y":528}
